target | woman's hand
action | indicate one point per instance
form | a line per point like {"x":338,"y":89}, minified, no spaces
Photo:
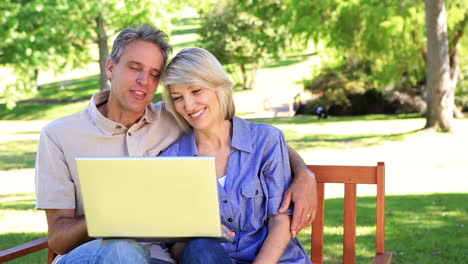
{"x":302,"y":192}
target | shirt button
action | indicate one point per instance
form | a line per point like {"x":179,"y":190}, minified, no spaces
{"x":129,"y":134}
{"x":256,"y":192}
{"x":225,"y":201}
{"x":119,"y":126}
{"x":230,"y":220}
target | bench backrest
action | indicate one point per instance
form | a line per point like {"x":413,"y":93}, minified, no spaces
{"x":350,"y":176}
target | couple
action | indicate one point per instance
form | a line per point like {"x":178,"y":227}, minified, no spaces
{"x":252,"y":160}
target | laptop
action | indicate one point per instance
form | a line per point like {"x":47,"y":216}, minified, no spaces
{"x":151,"y":198}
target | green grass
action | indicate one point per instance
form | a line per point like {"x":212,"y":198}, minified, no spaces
{"x":56,"y":100}
{"x":307,"y":132}
{"x":312,"y":119}
{"x":422,"y":229}
{"x":18,"y":154}
{"x":303,"y":133}
{"x":430,"y":228}
{"x":21,"y":223}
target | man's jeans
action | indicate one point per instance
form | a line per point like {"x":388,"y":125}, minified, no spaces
{"x":206,"y":251}
{"x":118,"y":251}
{"x":124,"y":251}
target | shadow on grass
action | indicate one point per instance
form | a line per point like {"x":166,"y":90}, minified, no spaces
{"x":428,"y":228}
{"x":185,"y":31}
{"x":17,"y":154}
{"x":53,"y":101}
{"x":24,"y":111}
{"x":72,"y":90}
{"x":52,"y":97}
{"x":337,"y":141}
{"x":17,"y":201}
{"x":312,"y":119}
{"x":186,"y":21}
{"x":185,"y":44}
{"x":290,"y":60}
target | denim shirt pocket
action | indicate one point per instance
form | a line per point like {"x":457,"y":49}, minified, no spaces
{"x":254,"y":201}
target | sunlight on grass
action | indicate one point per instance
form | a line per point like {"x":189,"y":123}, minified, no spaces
{"x":18,"y":144}
{"x":40,"y":111}
{"x":29,"y":221}
{"x":17,"y":214}
{"x":18,"y":154}
{"x":184,"y":34}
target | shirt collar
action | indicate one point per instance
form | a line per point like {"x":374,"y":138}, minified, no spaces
{"x":188,"y":147}
{"x":241,"y":135}
{"x":241,"y":139}
{"x":109,"y":127}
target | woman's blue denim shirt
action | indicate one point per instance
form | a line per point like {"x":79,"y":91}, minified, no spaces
{"x":257,"y":177}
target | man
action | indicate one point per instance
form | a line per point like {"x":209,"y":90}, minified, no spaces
{"x":123,"y":122}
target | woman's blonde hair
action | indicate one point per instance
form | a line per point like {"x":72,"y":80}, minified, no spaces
{"x":198,"y":67}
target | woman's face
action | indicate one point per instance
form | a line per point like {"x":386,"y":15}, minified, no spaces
{"x":199,"y":106}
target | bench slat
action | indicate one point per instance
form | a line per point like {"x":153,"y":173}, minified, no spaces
{"x":349,"y":228}
{"x":317,"y":227}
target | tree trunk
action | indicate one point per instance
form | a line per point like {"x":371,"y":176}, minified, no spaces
{"x":103,"y":51}
{"x":454,"y":58}
{"x":440,"y":96}
{"x":35,"y":80}
{"x":253,"y":75}
{"x":454,"y":71}
{"x":244,"y":76}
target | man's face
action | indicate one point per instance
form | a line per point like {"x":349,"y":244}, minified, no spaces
{"x":135,"y":78}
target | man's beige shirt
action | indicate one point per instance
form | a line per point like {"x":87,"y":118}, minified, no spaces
{"x":89,"y":133}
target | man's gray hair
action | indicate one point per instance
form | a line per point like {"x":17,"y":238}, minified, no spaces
{"x":144,"y":32}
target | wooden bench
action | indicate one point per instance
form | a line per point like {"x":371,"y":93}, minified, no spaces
{"x":350,"y":176}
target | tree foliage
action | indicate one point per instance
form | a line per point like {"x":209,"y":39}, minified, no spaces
{"x":38,"y":35}
{"x":240,"y":40}
{"x":386,"y":36}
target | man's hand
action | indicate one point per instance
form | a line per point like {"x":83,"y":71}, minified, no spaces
{"x":303,"y":193}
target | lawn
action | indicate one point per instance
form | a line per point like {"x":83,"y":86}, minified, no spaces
{"x":427,"y":187}
{"x":426,"y":214}
{"x":426,"y":228}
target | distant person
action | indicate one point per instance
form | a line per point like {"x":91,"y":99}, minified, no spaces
{"x":252,"y":163}
{"x":322,"y":112}
{"x":319,"y":112}
{"x":123,"y":122}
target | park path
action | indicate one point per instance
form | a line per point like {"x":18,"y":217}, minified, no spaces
{"x":423,"y":163}
{"x":441,"y":166}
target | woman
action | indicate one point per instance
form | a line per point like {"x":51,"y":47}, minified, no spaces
{"x":252,"y":163}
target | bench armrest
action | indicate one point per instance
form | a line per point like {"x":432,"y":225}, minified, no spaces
{"x":22,"y":250}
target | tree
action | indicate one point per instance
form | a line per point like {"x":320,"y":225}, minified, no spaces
{"x":55,"y":34}
{"x":32,"y":40}
{"x":240,"y":40}
{"x":440,"y":94}
{"x":387,"y":35}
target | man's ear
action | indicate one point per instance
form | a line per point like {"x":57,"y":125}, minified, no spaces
{"x":109,"y":68}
